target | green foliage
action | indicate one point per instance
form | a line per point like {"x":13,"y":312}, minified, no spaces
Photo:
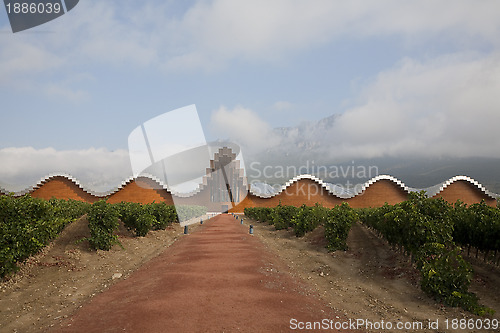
{"x":444,"y":271}
{"x":143,"y":218}
{"x":461,"y":223}
{"x":129,"y":212}
{"x":428,"y":229}
{"x":145,"y":222}
{"x":477,"y":225}
{"x":446,"y":276}
{"x":262,"y":214}
{"x":28,"y":224}
{"x":419,"y":221}
{"x":306,"y":219}
{"x":303,"y":219}
{"x":69,"y":208}
{"x":135,"y":217}
{"x":338,"y":223}
{"x":375,"y":217}
{"x":103,"y":221}
{"x":163,"y":214}
{"x":282,"y":216}
{"x":412,"y":223}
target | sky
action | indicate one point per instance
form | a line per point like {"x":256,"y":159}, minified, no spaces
{"x":404,"y":77}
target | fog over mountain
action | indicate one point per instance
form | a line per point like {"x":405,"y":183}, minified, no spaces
{"x":307,"y":148}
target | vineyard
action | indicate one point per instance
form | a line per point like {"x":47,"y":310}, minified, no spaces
{"x":336,"y":221}
{"x":430,"y":232}
{"x":28,"y":224}
{"x":437,"y":238}
{"x":104,"y":219}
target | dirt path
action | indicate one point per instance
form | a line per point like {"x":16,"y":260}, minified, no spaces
{"x":218,"y":279}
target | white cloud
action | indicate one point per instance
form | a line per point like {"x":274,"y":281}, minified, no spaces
{"x":282,"y":105}
{"x":94,"y":33}
{"x":20,"y":60}
{"x":105,"y":33}
{"x":443,"y":107}
{"x":99,"y":169}
{"x":210,"y":33}
{"x":74,"y":95}
{"x":262,"y":30}
{"x":245,"y":127}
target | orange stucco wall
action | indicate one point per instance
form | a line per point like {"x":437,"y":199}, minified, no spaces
{"x":62,"y":188}
{"x":309,"y":192}
{"x":141,"y":190}
{"x":304,"y":191}
{"x":377,"y":194}
{"x":466,"y":192}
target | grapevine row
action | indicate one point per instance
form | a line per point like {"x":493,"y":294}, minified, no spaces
{"x":104,"y":219}
{"x":428,"y":230}
{"x":28,"y":224}
{"x":336,"y":221}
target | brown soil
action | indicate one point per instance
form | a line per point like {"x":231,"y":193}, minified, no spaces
{"x":371,"y":281}
{"x":199,"y":286}
{"x":53,"y":284}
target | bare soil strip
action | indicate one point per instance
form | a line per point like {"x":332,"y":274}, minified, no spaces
{"x":370,"y":281}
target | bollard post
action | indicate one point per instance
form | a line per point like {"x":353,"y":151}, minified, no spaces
{"x":251,"y":230}
{"x":185,"y":230}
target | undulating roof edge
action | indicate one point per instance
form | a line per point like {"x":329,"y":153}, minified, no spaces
{"x":337,"y":191}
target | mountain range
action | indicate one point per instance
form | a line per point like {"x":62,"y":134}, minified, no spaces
{"x":305,"y":149}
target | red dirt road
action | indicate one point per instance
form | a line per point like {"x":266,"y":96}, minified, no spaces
{"x":218,"y":279}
